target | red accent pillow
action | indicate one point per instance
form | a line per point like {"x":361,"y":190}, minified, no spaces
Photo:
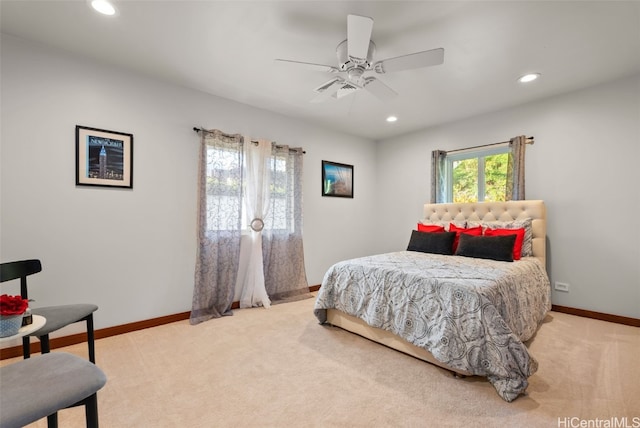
{"x":517,"y":246}
{"x":429,"y":228}
{"x":473,"y":231}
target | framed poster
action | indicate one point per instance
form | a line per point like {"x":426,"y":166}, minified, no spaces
{"x":103,"y":158}
{"x":337,"y":179}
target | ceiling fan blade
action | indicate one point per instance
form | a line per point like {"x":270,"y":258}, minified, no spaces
{"x":411,"y":61}
{"x":310,"y":65}
{"x":379,"y":89}
{"x":359,"y":30}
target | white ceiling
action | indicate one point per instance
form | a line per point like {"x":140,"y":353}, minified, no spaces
{"x":227,"y":48}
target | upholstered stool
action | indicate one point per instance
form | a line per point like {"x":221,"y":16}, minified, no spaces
{"x":40,"y":386}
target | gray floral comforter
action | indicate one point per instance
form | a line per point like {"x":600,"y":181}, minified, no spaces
{"x":471,"y":314}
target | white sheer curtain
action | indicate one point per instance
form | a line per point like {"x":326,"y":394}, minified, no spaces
{"x":220,"y":183}
{"x":257,"y":195}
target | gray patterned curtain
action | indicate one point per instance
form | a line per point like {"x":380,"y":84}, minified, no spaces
{"x":515,"y":169}
{"x":282,"y":249}
{"x":438,"y":192}
{"x":223,"y":174}
{"x":220,"y":184}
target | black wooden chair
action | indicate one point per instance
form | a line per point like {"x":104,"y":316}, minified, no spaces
{"x":56,"y":317}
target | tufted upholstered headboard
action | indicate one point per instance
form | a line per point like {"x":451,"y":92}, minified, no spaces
{"x":496,"y":211}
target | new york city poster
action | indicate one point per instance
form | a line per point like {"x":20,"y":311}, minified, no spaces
{"x":103,"y":158}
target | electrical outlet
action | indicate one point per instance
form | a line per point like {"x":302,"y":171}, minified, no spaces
{"x":562,"y":286}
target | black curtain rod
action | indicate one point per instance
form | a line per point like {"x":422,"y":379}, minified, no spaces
{"x":529,"y":141}
{"x":254,"y":142}
{"x":205,"y":130}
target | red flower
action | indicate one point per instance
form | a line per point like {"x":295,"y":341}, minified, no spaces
{"x":12,"y":305}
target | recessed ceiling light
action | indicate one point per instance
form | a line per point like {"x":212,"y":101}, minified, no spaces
{"x":529,"y":77}
{"x":392,"y":119}
{"x":104,"y":7}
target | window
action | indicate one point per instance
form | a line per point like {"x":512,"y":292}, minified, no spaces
{"x":225,"y":194}
{"x":232,"y":189}
{"x":224,"y":186}
{"x":477,"y":175}
{"x":281,"y":202}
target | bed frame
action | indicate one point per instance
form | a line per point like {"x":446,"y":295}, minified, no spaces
{"x":480,"y":211}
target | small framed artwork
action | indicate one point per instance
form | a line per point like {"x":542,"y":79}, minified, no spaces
{"x":103,"y":158}
{"x":337,"y":179}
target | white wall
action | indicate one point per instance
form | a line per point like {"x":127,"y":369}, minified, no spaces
{"x":584,"y":164}
{"x":132,"y":252}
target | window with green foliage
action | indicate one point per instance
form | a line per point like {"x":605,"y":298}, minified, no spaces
{"x":478,"y":175}
{"x":225,"y":189}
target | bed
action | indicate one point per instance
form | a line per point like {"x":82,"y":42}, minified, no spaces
{"x":468,"y":315}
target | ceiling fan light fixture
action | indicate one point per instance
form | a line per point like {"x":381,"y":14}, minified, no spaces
{"x":392,"y":119}
{"x":355,"y":75}
{"x":104,"y":7}
{"x":529,"y":77}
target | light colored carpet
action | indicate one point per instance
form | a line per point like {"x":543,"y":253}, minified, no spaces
{"x":278,"y":367}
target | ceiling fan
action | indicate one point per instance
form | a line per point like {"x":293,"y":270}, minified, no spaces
{"x":355,"y":60}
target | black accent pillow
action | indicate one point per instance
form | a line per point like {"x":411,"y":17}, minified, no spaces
{"x":432,"y":242}
{"x":487,"y":247}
